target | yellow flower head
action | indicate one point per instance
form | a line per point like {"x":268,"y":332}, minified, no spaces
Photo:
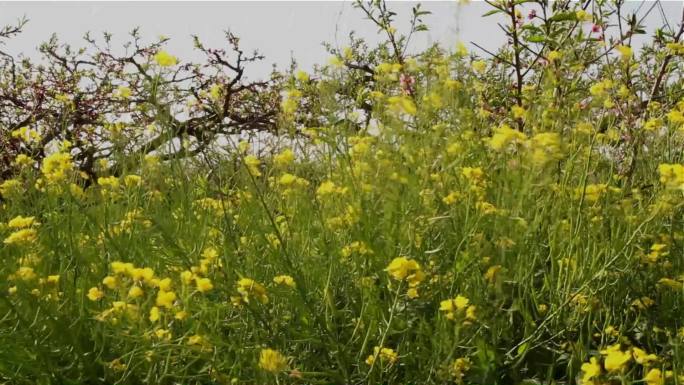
{"x":590,"y":370}
{"x":248,"y":288}
{"x":625,"y":51}
{"x":402,"y":268}
{"x":135,"y":292}
{"x":22,"y":236}
{"x":165,"y":299}
{"x":654,"y":377}
{"x":164,"y":59}
{"x":204,"y":285}
{"x":95,"y":294}
{"x":505,"y":137}
{"x":616,"y":360}
{"x":284,"y":280}
{"x":387,"y":356}
{"x":20,"y":222}
{"x":272,"y":361}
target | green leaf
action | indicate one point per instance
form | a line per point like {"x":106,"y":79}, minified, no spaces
{"x":492,"y":12}
{"x":563,"y":16}
{"x":536,"y":38}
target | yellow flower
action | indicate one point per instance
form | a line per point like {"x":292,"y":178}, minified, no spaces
{"x":492,"y":273}
{"x":154,"y":314}
{"x":386,"y":355}
{"x":252,"y":163}
{"x":479,"y":66}
{"x":56,"y":166}
{"x":26,"y":273}
{"x":600,"y":89}
{"x":110,"y":182}
{"x":590,"y":370}
{"x":164,"y":59}
{"x":163,"y":334}
{"x":23,"y":160}
{"x":54,"y":279}
{"x":643,"y":358}
{"x":132,"y":180}
{"x":470,"y":313}
{"x":123,"y":92}
{"x":505,"y":137}
{"x":284,"y":280}
{"x":518,"y":112}
{"x":654,"y":377}
{"x":452,"y":198}
{"x":625,"y":51}
{"x":20,"y":222}
{"x":285,"y":158}
{"x":671,"y":283}
{"x":249,"y":288}
{"x":196,"y":340}
{"x":110,"y":282}
{"x":165,"y":299}
{"x":135,"y":292}
{"x":22,"y":236}
{"x":402,"y":104}
{"x":616,"y":359}
{"x":187,"y":277}
{"x":329,"y":188}
{"x":554,"y":55}
{"x":583,"y":15}
{"x":119,"y":267}
{"x":672,"y":175}
{"x":204,"y":284}
{"x":473,"y":174}
{"x":162,"y":284}
{"x":10,"y":187}
{"x":459,"y":368}
{"x":95,"y":294}
{"x":459,"y":304}
{"x":117,"y":366}
{"x":402,"y":268}
{"x":546,"y":146}
{"x":272,"y":361}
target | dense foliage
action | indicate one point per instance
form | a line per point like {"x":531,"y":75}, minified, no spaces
{"x":390,"y":218}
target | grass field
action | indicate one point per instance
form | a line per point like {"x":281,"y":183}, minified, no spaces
{"x":452,"y":240}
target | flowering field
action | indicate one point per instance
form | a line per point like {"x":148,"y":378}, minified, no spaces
{"x":432,"y":218}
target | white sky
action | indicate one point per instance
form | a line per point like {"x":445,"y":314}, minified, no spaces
{"x":279,"y":30}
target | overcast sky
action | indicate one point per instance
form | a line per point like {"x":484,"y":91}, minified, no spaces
{"x":280,"y":30}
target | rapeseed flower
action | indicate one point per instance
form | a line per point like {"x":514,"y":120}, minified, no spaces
{"x":387,"y":356}
{"x":155,"y":314}
{"x":20,"y":222}
{"x":654,"y":377}
{"x":402,"y":268}
{"x":248,"y":288}
{"x":21,"y":237}
{"x":164,"y":59}
{"x":204,"y":285}
{"x":505,"y":138}
{"x":95,"y":294}
{"x":272,"y":361}
{"x":165,"y":299}
{"x":615,"y":359}
{"x":135,"y":292}
{"x":590,"y":370}
{"x":284,"y":280}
